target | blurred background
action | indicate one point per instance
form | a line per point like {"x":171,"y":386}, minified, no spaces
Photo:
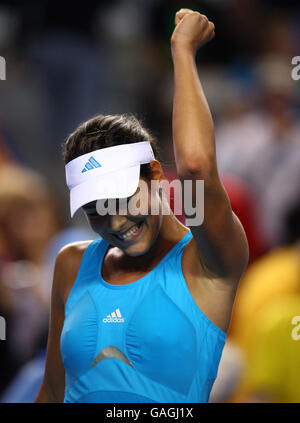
{"x":66,"y":62}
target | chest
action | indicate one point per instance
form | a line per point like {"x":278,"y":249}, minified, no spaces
{"x":145,"y":325}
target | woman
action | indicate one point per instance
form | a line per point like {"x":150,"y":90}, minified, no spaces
{"x":140,"y":315}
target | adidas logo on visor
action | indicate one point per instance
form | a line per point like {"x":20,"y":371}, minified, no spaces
{"x":114,"y":317}
{"x":91,"y":164}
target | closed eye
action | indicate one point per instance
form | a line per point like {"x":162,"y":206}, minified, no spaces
{"x":91,"y":212}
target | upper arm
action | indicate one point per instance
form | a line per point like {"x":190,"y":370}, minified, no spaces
{"x":52,"y":388}
{"x":221,"y":241}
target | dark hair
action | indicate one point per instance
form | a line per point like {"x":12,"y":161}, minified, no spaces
{"x":107,"y":131}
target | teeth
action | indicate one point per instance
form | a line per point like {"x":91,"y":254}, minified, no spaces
{"x":130,"y":232}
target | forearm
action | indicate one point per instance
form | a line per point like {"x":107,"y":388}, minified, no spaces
{"x":193,"y":129}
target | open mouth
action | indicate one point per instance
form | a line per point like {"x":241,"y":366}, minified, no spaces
{"x":132,"y":233}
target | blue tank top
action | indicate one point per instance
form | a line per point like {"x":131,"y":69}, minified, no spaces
{"x":142,"y":342}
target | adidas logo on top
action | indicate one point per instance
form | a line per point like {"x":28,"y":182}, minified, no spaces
{"x":114,"y":317}
{"x":91,"y":164}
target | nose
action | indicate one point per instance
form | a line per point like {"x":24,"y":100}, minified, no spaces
{"x":118,"y":222}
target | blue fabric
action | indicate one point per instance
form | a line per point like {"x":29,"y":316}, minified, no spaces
{"x":172,"y":349}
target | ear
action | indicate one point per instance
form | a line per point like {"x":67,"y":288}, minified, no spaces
{"x":157,"y":171}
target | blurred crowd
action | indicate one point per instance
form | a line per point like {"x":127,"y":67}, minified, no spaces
{"x":67,"y":62}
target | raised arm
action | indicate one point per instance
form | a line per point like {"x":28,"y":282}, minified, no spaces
{"x":221,"y":242}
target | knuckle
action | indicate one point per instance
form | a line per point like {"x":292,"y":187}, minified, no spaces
{"x":197,"y":15}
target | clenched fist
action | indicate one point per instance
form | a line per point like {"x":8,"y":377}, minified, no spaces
{"x":192,"y":31}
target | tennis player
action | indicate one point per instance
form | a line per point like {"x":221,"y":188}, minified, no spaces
{"x":140,"y":314}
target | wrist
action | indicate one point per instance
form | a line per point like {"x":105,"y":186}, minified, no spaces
{"x":182,"y":49}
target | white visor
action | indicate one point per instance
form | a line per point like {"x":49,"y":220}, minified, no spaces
{"x":112,"y":172}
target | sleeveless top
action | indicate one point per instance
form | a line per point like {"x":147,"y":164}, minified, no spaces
{"x":141,"y":342}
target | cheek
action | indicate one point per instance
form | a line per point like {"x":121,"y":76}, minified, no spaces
{"x":154,"y":223}
{"x":97,"y":225}
{"x":148,"y":205}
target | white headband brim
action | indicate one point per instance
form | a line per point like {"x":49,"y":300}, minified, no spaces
{"x":112,"y":172}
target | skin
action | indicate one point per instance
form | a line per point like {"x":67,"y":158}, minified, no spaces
{"x":214,"y":259}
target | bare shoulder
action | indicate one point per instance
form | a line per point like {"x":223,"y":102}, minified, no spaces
{"x":73,"y":251}
{"x":67,"y":264}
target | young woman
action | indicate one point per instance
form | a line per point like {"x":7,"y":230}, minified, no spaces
{"x":140,"y":314}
